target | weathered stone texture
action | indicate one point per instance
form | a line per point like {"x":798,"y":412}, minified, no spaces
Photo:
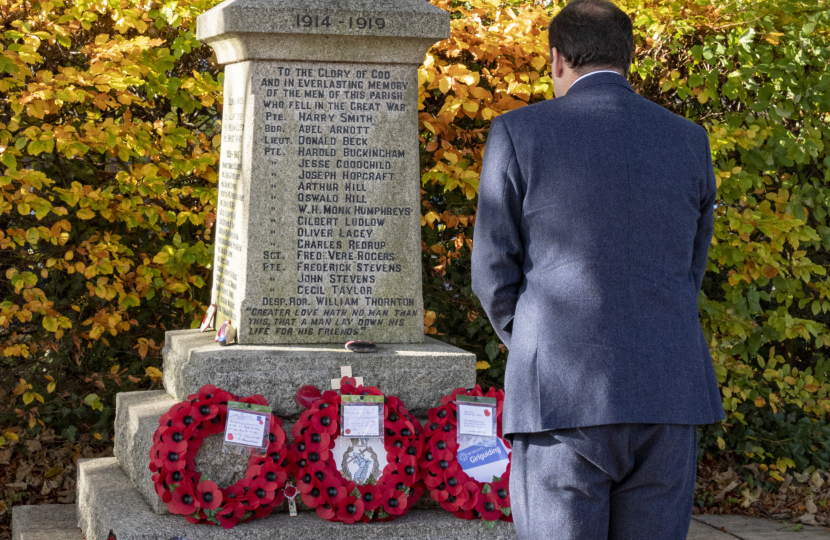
{"x":418,"y":373}
{"x":107,"y":501}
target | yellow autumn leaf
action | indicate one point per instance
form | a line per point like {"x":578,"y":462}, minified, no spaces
{"x":161,"y":258}
{"x":153,"y":372}
{"x":444,"y":85}
{"x":97,"y":436}
{"x":50,"y":387}
{"x":10,"y":435}
{"x":481,"y":364}
{"x":85,"y":213}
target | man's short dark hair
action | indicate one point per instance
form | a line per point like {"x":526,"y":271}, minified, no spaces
{"x":593,"y":34}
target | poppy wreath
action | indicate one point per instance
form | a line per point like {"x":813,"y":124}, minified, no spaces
{"x":321,"y":484}
{"x":176,"y":442}
{"x":443,"y":476}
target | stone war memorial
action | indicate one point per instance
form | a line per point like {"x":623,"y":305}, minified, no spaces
{"x":317,"y":243}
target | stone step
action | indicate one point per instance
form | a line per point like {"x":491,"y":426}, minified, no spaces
{"x":45,"y":522}
{"x":107,"y":501}
{"x":418,"y":373}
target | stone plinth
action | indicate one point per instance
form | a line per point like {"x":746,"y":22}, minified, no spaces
{"x":108,"y":502}
{"x":418,"y":373}
{"x":318,"y":211}
{"x":136,"y":419}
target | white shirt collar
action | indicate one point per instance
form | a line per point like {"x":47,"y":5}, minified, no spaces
{"x":593,"y":73}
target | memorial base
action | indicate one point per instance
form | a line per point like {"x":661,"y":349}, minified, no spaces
{"x":418,"y":373}
{"x":108,"y":502}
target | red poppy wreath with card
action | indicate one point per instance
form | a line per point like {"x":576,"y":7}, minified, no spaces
{"x":350,"y":479}
{"x":480,"y":492}
{"x":176,"y":442}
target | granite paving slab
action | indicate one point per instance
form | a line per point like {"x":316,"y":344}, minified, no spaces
{"x":45,"y":522}
{"x":751,"y":528}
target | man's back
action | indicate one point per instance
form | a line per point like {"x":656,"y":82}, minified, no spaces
{"x":605,"y":216}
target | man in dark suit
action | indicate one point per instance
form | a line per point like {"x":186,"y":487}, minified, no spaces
{"x":594,"y":221}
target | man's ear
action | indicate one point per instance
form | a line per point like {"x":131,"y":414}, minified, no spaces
{"x":557,"y":63}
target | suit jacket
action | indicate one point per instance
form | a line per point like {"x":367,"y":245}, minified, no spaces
{"x":595,"y":216}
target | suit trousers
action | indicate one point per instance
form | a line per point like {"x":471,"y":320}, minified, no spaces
{"x":615,"y":482}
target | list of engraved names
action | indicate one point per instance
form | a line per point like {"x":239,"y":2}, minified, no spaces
{"x":335,"y":250}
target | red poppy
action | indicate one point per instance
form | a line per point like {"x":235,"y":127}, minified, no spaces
{"x":167,"y":418}
{"x":371,"y":497}
{"x":256,"y":399}
{"x":502,"y":491}
{"x":439,"y":493}
{"x":276,"y":438}
{"x":455,"y":502}
{"x":347,"y":385}
{"x":394,"y":502}
{"x":325,"y":421}
{"x":465,"y":514}
{"x":451,"y":397}
{"x":440,"y":416}
{"x":209,"y":495}
{"x":314,"y":497}
{"x":185,"y":421}
{"x":456,"y":481}
{"x":326,"y":511}
{"x":184,"y":500}
{"x":350,"y":509}
{"x":272,"y":475}
{"x":431,"y":480}
{"x":474,"y":492}
{"x":259,"y":494}
{"x":231,"y":514}
{"x":173,"y":440}
{"x":203,"y":412}
{"x":407,"y":467}
{"x":334,"y":490}
{"x":444,"y":441}
{"x":488,"y":506}
{"x":323,"y":444}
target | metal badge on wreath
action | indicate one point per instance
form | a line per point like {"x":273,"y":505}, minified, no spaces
{"x":363,"y":454}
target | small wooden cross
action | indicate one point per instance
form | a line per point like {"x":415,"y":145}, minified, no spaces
{"x":345,"y":371}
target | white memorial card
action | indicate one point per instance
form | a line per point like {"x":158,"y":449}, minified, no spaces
{"x":476,"y":420}
{"x":361,"y":420}
{"x":246,"y":428}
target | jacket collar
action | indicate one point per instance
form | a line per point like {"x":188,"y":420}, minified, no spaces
{"x":600,"y":78}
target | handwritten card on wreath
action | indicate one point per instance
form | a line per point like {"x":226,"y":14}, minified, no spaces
{"x":244,"y":428}
{"x":476,"y":420}
{"x":361,"y":420}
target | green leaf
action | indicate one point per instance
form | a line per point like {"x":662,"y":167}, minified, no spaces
{"x":9,"y":161}
{"x":506,"y":511}
{"x":491,"y":525}
{"x":486,"y":489}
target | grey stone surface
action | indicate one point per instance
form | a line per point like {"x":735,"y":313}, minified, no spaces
{"x":45,"y":522}
{"x":418,"y":373}
{"x":107,"y":501}
{"x":401,"y":31}
{"x":136,"y":418}
{"x":751,"y":528}
{"x":58,"y":522}
{"x":318,"y":221}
